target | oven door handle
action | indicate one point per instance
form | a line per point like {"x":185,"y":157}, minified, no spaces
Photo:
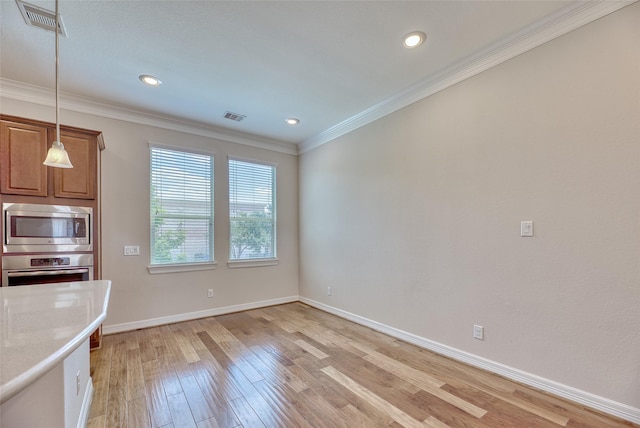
{"x":46,"y":272}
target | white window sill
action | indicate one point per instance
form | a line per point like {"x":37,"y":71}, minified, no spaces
{"x":182,"y":267}
{"x":252,"y":263}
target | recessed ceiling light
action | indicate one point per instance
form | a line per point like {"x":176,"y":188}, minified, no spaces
{"x":414,"y":39}
{"x":293,"y":121}
{"x":150,"y":80}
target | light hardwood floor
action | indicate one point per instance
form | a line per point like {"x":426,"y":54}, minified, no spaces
{"x":295,"y":366}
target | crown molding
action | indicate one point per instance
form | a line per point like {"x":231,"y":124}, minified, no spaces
{"x":566,"y":20}
{"x":37,"y":95}
{"x":541,"y":32}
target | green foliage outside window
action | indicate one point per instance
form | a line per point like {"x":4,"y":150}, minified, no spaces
{"x":164,"y":239}
{"x":251,"y":232}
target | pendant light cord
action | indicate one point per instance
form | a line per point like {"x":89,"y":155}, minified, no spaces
{"x":57,"y":156}
{"x":57,"y":73}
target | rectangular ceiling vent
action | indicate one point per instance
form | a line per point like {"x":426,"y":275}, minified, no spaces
{"x":234,"y":116}
{"x":40,"y":17}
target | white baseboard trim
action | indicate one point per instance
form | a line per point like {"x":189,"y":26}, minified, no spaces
{"x":83,"y":419}
{"x":602,"y":404}
{"x":153,"y":322}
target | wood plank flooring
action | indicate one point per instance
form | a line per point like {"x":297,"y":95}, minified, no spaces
{"x":296,"y":366}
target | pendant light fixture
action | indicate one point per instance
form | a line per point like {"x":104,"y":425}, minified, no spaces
{"x":57,"y":156}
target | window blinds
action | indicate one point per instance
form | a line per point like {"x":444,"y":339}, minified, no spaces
{"x":181,"y":206}
{"x":251,"y":210}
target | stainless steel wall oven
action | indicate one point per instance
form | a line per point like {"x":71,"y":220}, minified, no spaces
{"x":46,"y":268}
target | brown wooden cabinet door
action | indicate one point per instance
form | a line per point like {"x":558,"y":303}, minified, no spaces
{"x":23,"y":148}
{"x":78,"y":182}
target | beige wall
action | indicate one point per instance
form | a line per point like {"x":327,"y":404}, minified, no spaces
{"x":414,"y":219}
{"x":138,"y":296}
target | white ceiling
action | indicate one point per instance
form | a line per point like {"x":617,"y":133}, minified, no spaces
{"x":332,"y":64}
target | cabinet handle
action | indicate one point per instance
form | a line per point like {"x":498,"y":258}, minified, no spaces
{"x":47,"y":272}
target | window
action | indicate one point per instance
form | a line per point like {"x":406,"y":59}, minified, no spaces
{"x":181,"y":206}
{"x":252,"y":210}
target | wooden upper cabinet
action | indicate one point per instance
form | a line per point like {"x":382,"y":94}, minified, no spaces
{"x":23,"y":148}
{"x":78,"y":182}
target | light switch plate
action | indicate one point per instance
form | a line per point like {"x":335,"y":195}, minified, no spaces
{"x":526,"y":228}
{"x":478,"y":332}
{"x":131,"y":250}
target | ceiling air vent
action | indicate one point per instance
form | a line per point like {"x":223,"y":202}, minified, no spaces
{"x":234,"y":116}
{"x":40,"y":17}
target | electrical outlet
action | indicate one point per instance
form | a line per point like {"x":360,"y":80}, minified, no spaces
{"x":478,"y":332}
{"x":210,"y":292}
{"x":328,"y":291}
{"x":131,"y":250}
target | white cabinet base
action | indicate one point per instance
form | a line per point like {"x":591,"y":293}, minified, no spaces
{"x":59,"y":399}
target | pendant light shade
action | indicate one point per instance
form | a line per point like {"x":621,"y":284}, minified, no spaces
{"x":57,"y":156}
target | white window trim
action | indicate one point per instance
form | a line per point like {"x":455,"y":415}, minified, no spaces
{"x":251,"y":160}
{"x":182,"y":267}
{"x":182,"y":149}
{"x":234,"y":264}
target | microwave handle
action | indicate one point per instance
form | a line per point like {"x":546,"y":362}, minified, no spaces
{"x":46,"y":272}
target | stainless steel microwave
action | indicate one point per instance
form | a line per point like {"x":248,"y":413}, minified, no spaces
{"x":30,"y":228}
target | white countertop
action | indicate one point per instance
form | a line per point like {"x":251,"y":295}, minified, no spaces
{"x":40,"y":325}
